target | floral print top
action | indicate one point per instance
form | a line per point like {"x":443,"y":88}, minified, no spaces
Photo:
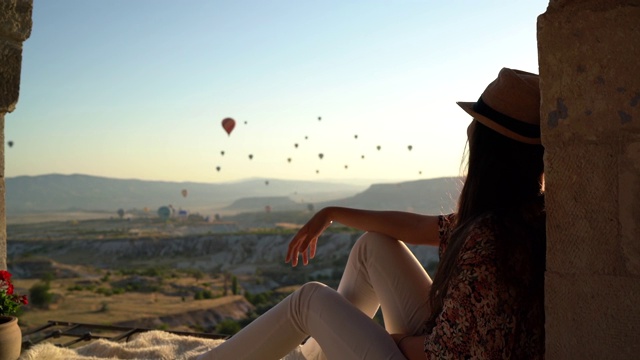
{"x":480,"y":316}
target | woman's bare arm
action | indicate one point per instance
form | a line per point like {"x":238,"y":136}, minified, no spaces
{"x":409,"y":227}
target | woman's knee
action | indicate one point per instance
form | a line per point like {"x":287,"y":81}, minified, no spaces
{"x":311,"y":286}
{"x":372,"y":242}
{"x":302,"y":300}
{"x":307,"y":291}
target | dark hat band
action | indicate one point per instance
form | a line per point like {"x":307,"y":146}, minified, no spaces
{"x":515,"y":125}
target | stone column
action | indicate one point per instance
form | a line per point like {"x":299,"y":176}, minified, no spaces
{"x":589,"y":57}
{"x":15,"y":28}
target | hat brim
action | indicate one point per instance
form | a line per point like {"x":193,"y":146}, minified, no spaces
{"x":468,"y":107}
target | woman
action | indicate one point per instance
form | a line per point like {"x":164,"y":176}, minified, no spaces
{"x":486,"y":300}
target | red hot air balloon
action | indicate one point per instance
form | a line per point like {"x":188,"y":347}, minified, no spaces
{"x":228,"y":124}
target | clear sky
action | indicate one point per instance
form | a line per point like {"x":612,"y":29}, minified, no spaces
{"x":138,"y":89}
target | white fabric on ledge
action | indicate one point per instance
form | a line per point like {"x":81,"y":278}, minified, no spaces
{"x":150,"y":345}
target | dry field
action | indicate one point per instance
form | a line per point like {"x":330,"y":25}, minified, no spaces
{"x":156,"y":309}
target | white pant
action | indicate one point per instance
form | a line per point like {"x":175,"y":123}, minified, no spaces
{"x":380,"y":272}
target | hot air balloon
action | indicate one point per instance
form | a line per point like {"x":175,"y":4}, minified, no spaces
{"x":267,"y":209}
{"x":164,"y":212}
{"x":184,"y":192}
{"x":250,"y":156}
{"x":317,"y":171}
{"x":409,"y":147}
{"x":10,"y":143}
{"x":288,"y":159}
{"x":295,"y":145}
{"x":319,"y":118}
{"x":362,"y":156}
{"x":306,"y":137}
{"x":228,"y":124}
{"x":120,"y":213}
{"x":355,"y":136}
{"x":321,"y":155}
{"x":266,"y":182}
{"x":346,"y":166}
{"x":218,"y":168}
{"x":222,"y":152}
{"x":378,"y":147}
{"x":245,"y":123}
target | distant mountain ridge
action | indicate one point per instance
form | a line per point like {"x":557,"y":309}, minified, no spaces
{"x":48,"y":193}
{"x":431,"y":196}
{"x":51,"y":193}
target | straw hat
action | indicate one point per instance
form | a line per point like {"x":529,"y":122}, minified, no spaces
{"x":510,"y":105}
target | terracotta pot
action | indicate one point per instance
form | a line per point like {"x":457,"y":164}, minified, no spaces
{"x":10,"y":338}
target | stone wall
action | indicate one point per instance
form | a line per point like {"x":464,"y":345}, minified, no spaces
{"x":15,"y":28}
{"x":589,"y":58}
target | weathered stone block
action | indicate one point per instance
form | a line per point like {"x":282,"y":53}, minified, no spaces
{"x":592,"y":317}
{"x":589,"y":85}
{"x":629,"y":190}
{"x":582,"y":208}
{"x":10,"y":65}
{"x":15,"y":19}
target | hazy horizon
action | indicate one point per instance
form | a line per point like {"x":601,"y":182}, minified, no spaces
{"x":354,"y":181}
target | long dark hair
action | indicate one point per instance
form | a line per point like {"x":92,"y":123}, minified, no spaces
{"x":504,"y":183}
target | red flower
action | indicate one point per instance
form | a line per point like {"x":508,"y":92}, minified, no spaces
{"x":10,"y":303}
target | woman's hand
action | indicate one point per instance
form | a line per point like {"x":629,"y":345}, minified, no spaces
{"x":306,"y":239}
{"x":408,"y":227}
{"x":412,"y":346}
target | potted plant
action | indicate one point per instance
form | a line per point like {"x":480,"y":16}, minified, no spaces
{"x":10,"y":304}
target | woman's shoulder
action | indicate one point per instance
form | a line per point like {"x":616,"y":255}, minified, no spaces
{"x":507,"y":222}
{"x":477,"y":232}
{"x":480,"y":240}
{"x":498,"y":229}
